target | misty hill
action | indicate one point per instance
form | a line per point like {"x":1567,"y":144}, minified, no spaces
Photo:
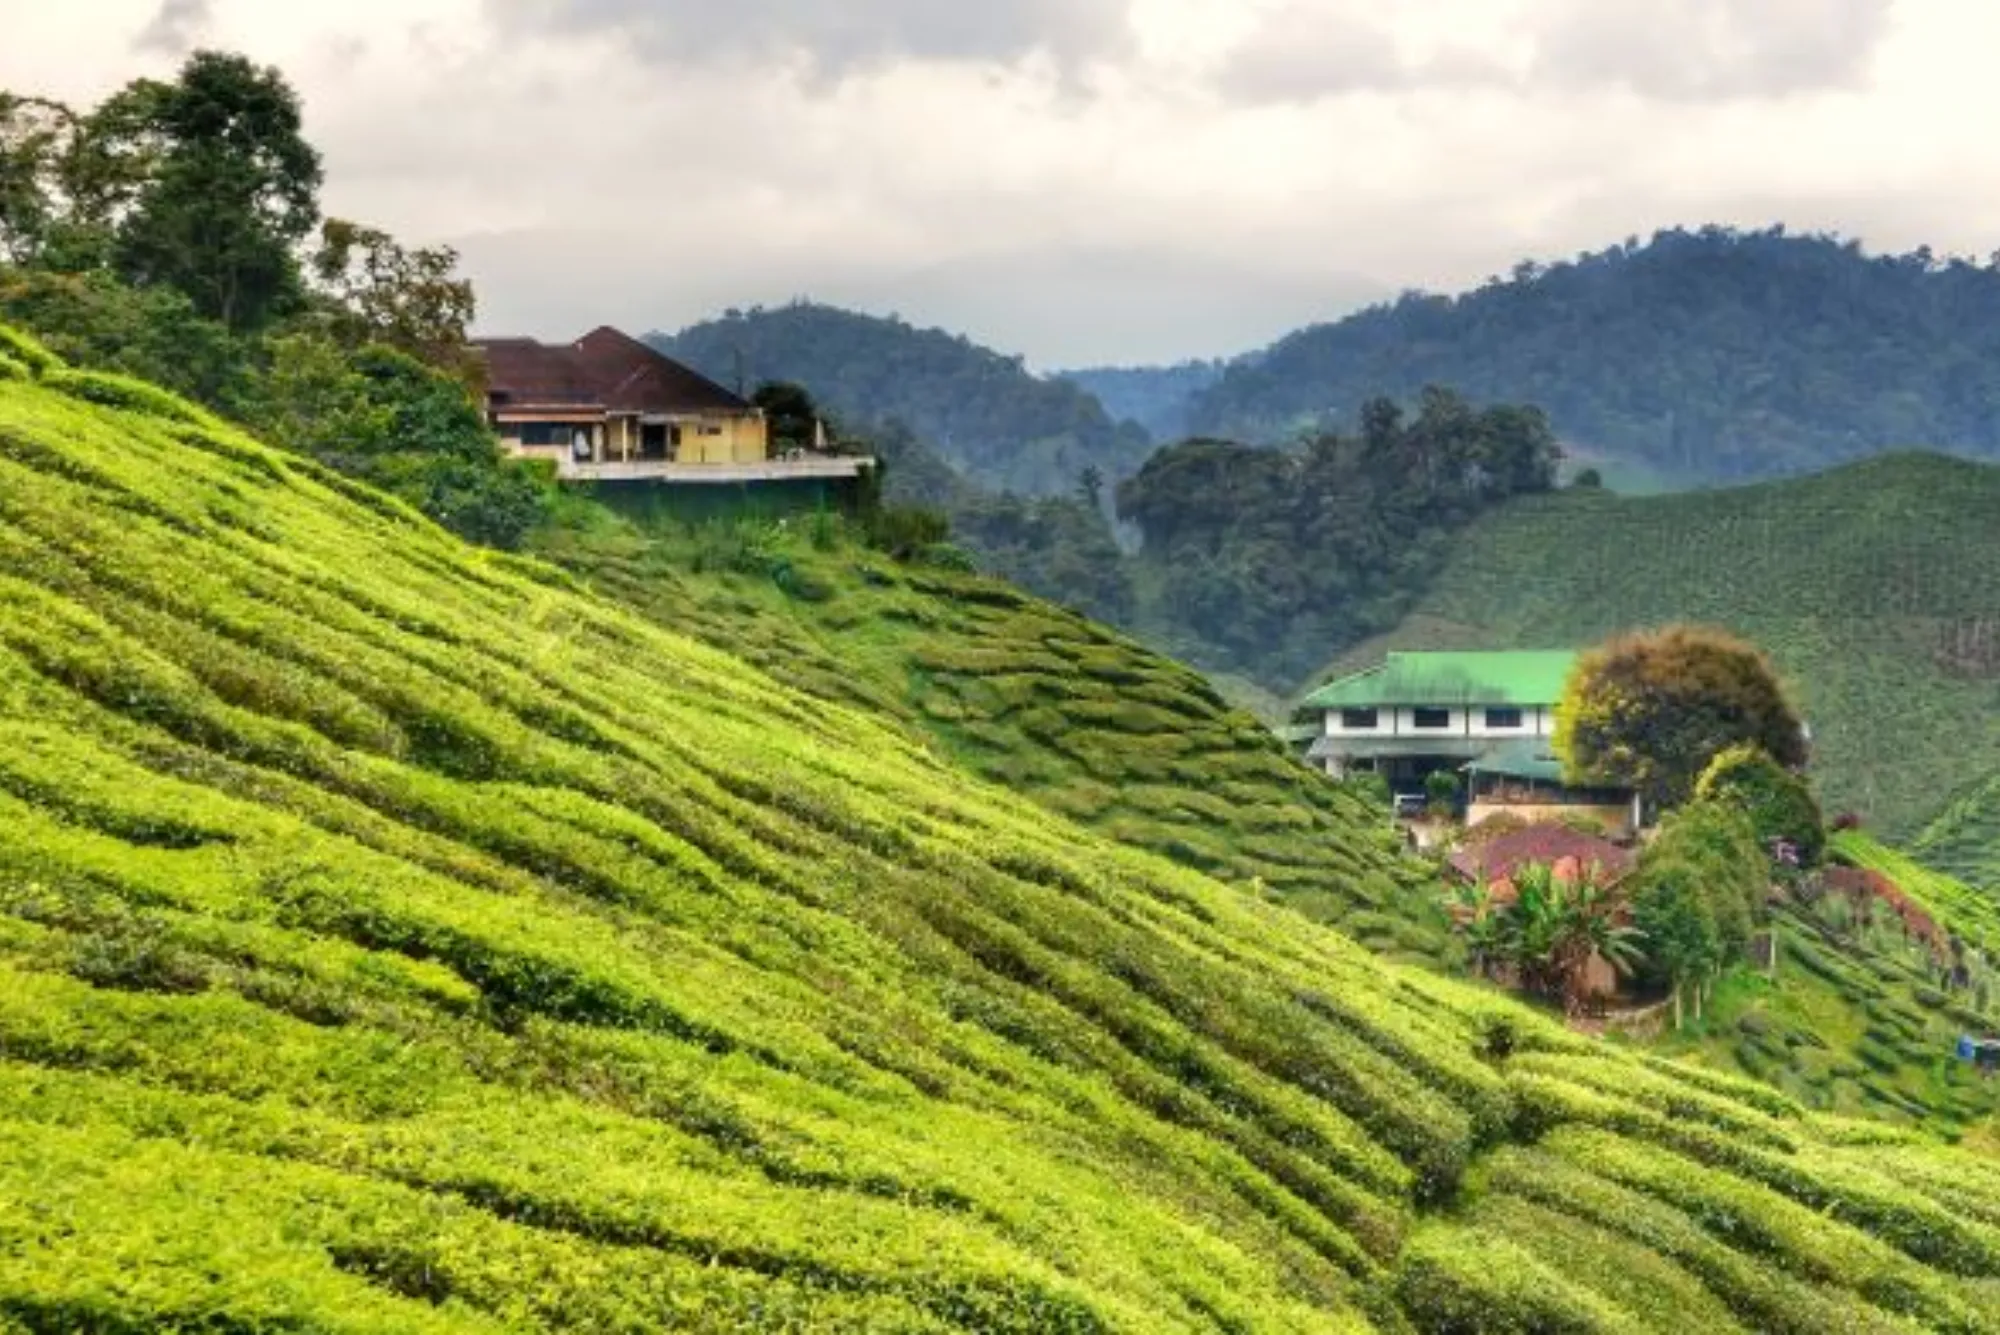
{"x":985,"y":414}
{"x":1703,"y":355}
{"x":1158,"y":398}
{"x":1875,"y":586}
{"x":395,"y":937}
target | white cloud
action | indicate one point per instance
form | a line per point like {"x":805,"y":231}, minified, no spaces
{"x":1062,"y":186}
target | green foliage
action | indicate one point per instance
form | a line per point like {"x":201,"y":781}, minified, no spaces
{"x":232,"y":190}
{"x":383,"y":417}
{"x":381,"y":292}
{"x":395,"y":937}
{"x":1259,"y":560}
{"x":1712,"y":355}
{"x":1652,"y":710}
{"x":153,"y":334}
{"x":1779,"y":802}
{"x":1548,"y":931}
{"x":1697,"y":893}
{"x":1442,"y":788}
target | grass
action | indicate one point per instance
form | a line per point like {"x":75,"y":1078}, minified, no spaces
{"x":1873,"y":586}
{"x":394,"y":936}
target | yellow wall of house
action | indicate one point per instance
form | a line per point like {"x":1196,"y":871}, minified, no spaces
{"x":1617,"y":821}
{"x":735,"y":440}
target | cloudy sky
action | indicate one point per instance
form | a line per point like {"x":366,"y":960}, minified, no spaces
{"x":1081,"y":180}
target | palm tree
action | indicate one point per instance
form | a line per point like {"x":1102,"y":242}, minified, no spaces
{"x":1552,"y":930}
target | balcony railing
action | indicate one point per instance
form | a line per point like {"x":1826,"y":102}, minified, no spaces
{"x":763,"y":470}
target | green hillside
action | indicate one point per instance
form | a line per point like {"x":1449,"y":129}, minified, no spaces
{"x":393,"y":937}
{"x":1081,"y":719}
{"x":1876,"y":587}
{"x":1964,"y":839}
{"x":1856,"y":1016}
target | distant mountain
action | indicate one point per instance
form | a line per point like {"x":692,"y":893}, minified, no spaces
{"x":1707,"y":355}
{"x":985,"y":414}
{"x":1158,"y":398}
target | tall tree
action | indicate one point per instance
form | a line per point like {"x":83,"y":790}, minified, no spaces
{"x":1652,"y":710}
{"x":383,"y":292}
{"x":232,"y":192}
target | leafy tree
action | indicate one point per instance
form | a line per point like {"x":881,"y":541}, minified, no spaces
{"x":1549,"y":932}
{"x":794,"y":419}
{"x":381,"y":291}
{"x":1779,"y":802}
{"x":1090,"y":487}
{"x":1696,"y":896}
{"x":231,"y":190}
{"x":1652,"y":710}
{"x":1265,"y":561}
{"x":33,"y":132}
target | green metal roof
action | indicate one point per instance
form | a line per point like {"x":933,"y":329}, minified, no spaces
{"x":1520,"y":758}
{"x":1530,"y":677}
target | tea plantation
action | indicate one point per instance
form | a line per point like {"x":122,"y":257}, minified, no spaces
{"x":1084,"y":720}
{"x":395,"y":936}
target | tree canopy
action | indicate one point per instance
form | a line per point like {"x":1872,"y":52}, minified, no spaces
{"x":1652,"y":710}
{"x":1266,"y":560}
{"x":1778,"y":801}
{"x":1707,"y":354}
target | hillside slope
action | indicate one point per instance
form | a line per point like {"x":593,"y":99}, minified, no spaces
{"x":1707,"y":355}
{"x":987,"y":415}
{"x":1876,"y":587}
{"x":1057,"y":708}
{"x":392,"y":937}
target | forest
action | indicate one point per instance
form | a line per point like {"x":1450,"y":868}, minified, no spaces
{"x":1256,"y":560}
{"x":1704,"y":355}
{"x":987,"y":415}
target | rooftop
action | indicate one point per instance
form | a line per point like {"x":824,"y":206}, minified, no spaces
{"x":1520,"y":758}
{"x":1527,"y":677}
{"x":1503,"y":856}
{"x":605,"y":370}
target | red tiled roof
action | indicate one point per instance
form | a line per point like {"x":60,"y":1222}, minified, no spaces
{"x":1550,"y":844}
{"x":635,"y":378}
{"x":602,"y":371}
{"x":521,"y":373}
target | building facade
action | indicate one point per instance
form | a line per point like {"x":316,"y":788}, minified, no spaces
{"x":1486,"y":718}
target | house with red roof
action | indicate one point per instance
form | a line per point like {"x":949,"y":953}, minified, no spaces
{"x":609,"y":408}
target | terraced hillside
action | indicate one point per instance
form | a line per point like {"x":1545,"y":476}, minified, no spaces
{"x":1876,"y":587}
{"x":1963,"y":840}
{"x":1860,"y":1016}
{"x":1064,"y":710}
{"x":394,"y":938}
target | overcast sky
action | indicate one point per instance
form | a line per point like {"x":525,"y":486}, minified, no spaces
{"x":1081,"y":180}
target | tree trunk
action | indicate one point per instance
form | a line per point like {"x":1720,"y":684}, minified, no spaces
{"x":1677,"y":1008}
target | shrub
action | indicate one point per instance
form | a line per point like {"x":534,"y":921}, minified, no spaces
{"x":1779,"y":803}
